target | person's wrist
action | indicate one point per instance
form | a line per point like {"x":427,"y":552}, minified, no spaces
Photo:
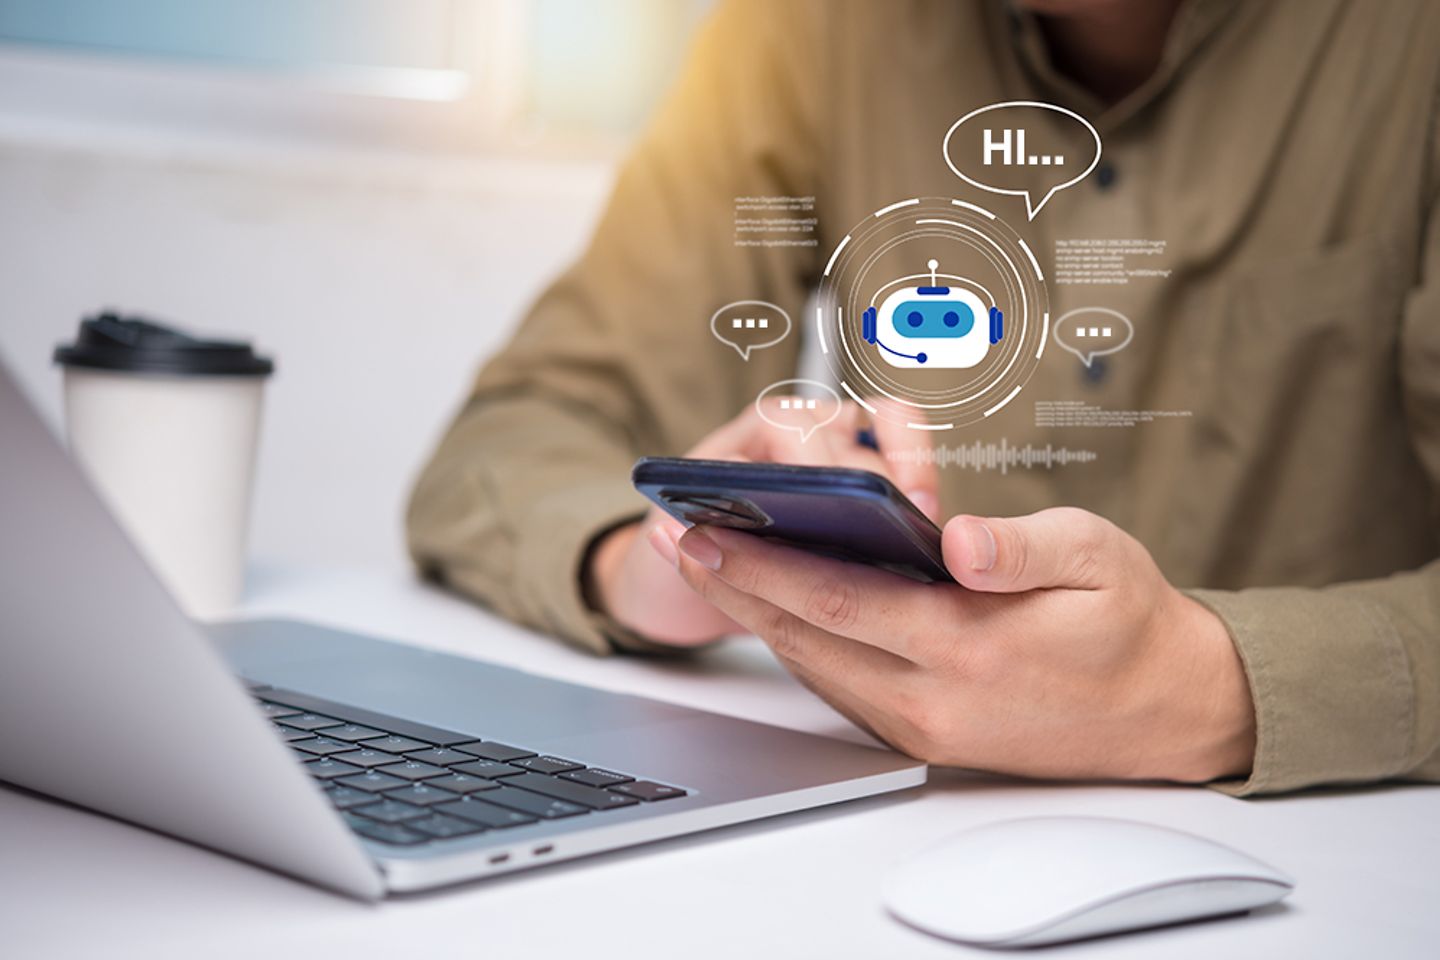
{"x":603,"y":565}
{"x":1213,"y":734}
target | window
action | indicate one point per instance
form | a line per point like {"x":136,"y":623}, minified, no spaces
{"x":547,"y":66}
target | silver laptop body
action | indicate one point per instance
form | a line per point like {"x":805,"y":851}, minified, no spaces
{"x":111,"y":698}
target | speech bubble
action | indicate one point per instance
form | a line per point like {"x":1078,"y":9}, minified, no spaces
{"x":1013,"y":139}
{"x":790,"y":409}
{"x":750,"y":325}
{"x":1090,"y":332}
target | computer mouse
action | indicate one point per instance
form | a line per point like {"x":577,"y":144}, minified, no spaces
{"x":1050,"y":879}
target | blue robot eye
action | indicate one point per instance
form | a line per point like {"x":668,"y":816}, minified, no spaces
{"x":928,"y":321}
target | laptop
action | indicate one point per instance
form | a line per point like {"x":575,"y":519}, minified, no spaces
{"x":364,"y":766}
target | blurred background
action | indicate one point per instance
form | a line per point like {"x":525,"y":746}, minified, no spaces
{"x":371,"y":190}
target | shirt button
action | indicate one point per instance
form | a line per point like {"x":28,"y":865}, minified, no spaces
{"x":1105,"y":176}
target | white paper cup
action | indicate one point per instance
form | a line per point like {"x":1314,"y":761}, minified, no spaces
{"x":167,"y":427}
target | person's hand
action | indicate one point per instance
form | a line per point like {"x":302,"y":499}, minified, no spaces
{"x":1063,"y":651}
{"x":631,"y":573}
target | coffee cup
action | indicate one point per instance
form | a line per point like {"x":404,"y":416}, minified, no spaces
{"x":166,"y":425}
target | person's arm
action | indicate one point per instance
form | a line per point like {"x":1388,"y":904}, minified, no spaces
{"x":1346,"y":680}
{"x":1064,"y":652}
{"x":616,"y":359}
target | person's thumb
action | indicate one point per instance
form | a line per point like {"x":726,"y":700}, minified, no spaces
{"x":1061,"y":547}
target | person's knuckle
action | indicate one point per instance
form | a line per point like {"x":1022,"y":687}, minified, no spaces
{"x":779,"y":630}
{"x":1086,"y":538}
{"x":904,"y":736}
{"x":742,"y":575}
{"x":921,"y":726}
{"x":832,"y":604}
{"x":1016,"y":556}
{"x":905,"y":740}
{"x":1081,"y":564}
{"x":1070,"y":516}
{"x":1093,"y":538}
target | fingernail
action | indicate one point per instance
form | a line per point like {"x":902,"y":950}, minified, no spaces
{"x":660,"y":540}
{"x":981,"y":543}
{"x":701,"y":549}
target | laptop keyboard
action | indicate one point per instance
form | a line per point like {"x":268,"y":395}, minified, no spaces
{"x":404,"y":783}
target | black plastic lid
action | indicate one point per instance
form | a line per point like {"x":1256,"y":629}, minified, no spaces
{"x":112,"y":342}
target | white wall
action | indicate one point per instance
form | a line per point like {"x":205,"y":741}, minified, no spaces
{"x":378,"y":282}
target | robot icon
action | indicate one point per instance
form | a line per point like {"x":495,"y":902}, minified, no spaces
{"x":934,"y":325}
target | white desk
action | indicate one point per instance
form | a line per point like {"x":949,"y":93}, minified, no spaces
{"x":75,"y":885}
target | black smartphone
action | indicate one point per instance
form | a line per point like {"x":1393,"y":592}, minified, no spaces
{"x":839,"y":512}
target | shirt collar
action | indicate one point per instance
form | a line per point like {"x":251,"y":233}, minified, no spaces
{"x":1195,"y":23}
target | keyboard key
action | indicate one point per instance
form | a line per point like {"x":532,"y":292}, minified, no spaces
{"x":478,"y":811}
{"x":486,"y":768}
{"x":372,"y":780}
{"x":648,"y":790}
{"x":275,"y":710}
{"x":440,"y":756}
{"x":548,"y":764}
{"x":393,"y":744}
{"x":351,"y":732}
{"x":290,"y":734}
{"x":405,"y":728}
{"x":321,"y":746}
{"x":462,"y":783}
{"x":390,"y":811}
{"x":309,"y":721}
{"x":442,"y":827}
{"x":595,"y":777}
{"x":328,"y":768}
{"x":346,"y":797}
{"x":422,"y":794}
{"x":492,"y":751}
{"x":410,"y":770}
{"x":573,"y":792}
{"x":546,"y":808}
{"x":367,"y":758}
{"x":391,"y":833}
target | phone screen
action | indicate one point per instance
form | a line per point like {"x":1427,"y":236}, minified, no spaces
{"x":854,"y":515}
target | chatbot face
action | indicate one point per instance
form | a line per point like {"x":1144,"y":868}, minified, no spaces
{"x":945,"y":326}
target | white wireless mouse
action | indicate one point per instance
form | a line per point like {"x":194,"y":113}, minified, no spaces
{"x":1049,"y":879}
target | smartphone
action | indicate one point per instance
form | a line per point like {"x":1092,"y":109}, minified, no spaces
{"x":838,"y":512}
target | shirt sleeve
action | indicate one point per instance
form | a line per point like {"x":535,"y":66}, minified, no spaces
{"x":1346,"y":679}
{"x":616,"y":359}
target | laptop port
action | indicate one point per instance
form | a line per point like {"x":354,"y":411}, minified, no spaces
{"x":499,"y":858}
{"x":541,"y":851}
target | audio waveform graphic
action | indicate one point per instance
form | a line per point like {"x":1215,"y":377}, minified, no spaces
{"x":1002,"y":456}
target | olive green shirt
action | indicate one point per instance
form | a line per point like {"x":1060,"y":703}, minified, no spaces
{"x":1286,"y":154}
